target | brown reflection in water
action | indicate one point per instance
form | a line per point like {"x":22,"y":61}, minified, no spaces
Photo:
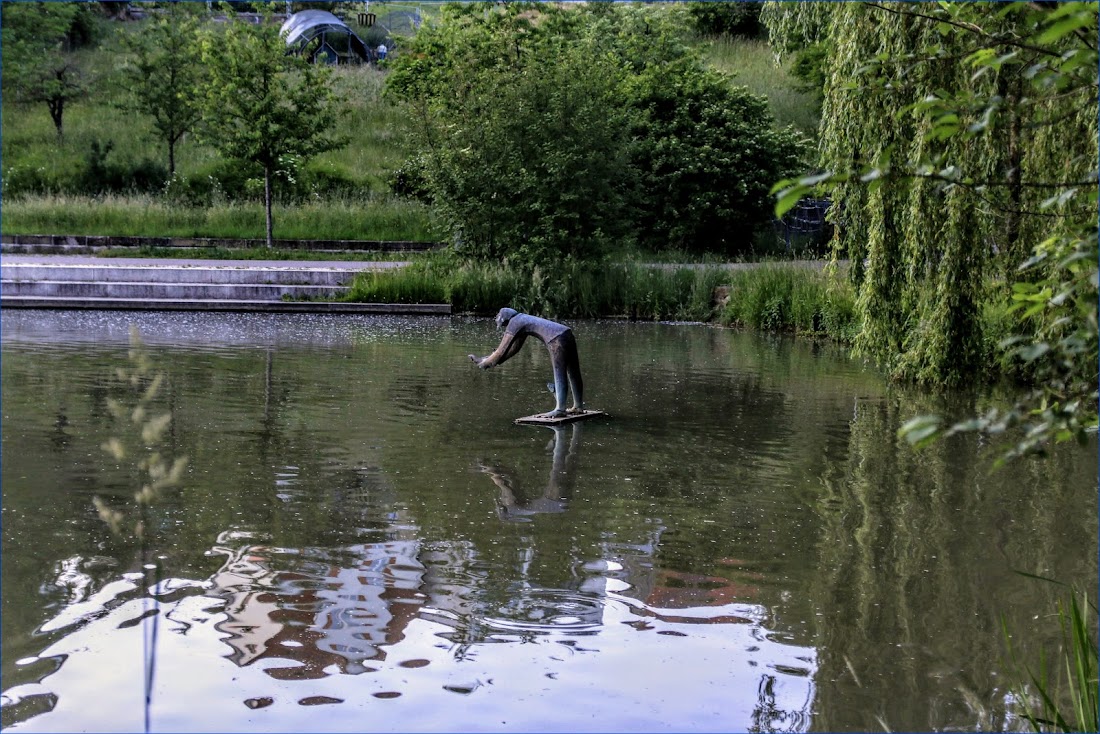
{"x":319,"y":700}
{"x":678,"y":590}
{"x":338,"y":618}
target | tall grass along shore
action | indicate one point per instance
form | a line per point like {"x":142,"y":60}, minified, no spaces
{"x":771,"y":297}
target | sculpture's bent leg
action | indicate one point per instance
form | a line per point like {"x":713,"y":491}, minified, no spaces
{"x":573,"y":371}
{"x":567,"y":366}
{"x":559,"y":360}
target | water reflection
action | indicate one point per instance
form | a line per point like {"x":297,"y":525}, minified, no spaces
{"x":919,"y":559}
{"x":318,"y":615}
{"x":515,"y":504}
{"x":746,"y":546}
{"x":426,"y":622}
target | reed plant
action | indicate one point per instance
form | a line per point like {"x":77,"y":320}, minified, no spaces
{"x":783,"y":298}
{"x":416,"y":283}
{"x":1062,"y":697}
{"x":573,"y":289}
{"x":141,"y":443}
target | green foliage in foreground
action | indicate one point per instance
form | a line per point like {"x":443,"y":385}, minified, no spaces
{"x":1064,"y":697}
{"x":955,"y":179}
{"x":970,"y":139}
{"x":768,"y":298}
{"x":335,"y":218}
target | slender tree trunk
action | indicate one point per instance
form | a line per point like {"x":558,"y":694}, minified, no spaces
{"x":171,"y":159}
{"x":57,"y":110}
{"x":267,"y":205}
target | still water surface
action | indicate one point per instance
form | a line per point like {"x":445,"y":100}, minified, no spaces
{"x":365,"y":542}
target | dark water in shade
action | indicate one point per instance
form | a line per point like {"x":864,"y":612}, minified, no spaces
{"x":365,"y":542}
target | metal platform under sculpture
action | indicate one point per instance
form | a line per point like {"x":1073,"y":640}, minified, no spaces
{"x":543,"y":419}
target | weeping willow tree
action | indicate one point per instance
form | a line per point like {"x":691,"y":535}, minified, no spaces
{"x":958,"y":144}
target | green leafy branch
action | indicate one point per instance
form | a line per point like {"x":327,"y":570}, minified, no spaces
{"x":1061,"y":353}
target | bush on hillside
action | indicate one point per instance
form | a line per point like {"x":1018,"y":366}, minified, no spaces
{"x":707,"y":154}
{"x":727,"y":19}
{"x":547,"y":133}
{"x":103,"y":176}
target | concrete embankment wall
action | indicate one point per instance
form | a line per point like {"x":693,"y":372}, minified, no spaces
{"x":74,"y":282}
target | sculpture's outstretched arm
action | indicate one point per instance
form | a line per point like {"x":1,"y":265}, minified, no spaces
{"x":509,"y":347}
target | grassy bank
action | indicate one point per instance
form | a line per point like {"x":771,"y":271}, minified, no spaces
{"x":575,"y":290}
{"x":777,"y":298}
{"x":769,"y":297}
{"x":107,"y":176}
{"x":369,"y":217}
{"x":35,"y":162}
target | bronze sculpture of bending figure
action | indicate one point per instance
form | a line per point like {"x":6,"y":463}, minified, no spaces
{"x":561,"y":343}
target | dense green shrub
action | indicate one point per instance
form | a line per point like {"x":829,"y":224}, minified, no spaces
{"x":726,"y":18}
{"x":410,"y":179}
{"x":810,"y":67}
{"x":549,"y":133}
{"x":319,"y":179}
{"x":29,"y":178}
{"x":103,"y":176}
{"x":707,"y":155}
{"x":235,"y":181}
{"x":522,"y":158}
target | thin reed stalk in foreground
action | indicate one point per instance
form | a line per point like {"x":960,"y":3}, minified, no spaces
{"x":1064,"y":696}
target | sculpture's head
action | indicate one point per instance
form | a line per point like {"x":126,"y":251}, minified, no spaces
{"x":504,"y":316}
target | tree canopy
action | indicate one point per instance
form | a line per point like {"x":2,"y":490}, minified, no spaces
{"x":164,"y":74}
{"x":41,"y":62}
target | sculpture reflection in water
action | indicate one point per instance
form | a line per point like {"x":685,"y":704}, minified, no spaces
{"x":310,"y":612}
{"x":514,"y":504}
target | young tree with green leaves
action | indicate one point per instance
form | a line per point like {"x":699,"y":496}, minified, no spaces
{"x":163,"y":73}
{"x":262,"y":105}
{"x":40,"y":65}
{"x":522,"y":136}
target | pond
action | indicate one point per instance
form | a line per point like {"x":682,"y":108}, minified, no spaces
{"x":364,"y":541}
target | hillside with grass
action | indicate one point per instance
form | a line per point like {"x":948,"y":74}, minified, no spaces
{"x":108,"y":175}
